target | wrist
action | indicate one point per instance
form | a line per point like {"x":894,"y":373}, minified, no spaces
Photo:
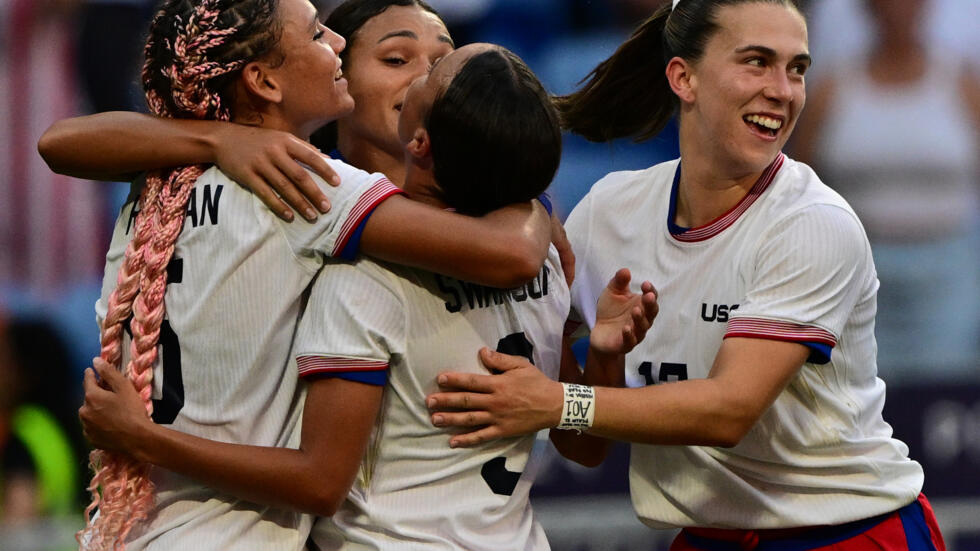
{"x":143,"y":441}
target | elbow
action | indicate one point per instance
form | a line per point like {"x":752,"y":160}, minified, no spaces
{"x":326,"y":502}
{"x":730,"y":431}
{"x":523,"y":264}
{"x":48,"y":146}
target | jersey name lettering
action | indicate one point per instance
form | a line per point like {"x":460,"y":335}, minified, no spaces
{"x":198,"y":212}
{"x":462,"y":294}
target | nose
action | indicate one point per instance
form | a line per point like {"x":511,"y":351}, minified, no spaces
{"x":337,"y":42}
{"x":779,"y":88}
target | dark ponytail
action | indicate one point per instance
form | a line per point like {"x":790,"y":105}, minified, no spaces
{"x":628,"y":94}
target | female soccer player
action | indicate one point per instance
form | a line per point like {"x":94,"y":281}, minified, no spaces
{"x":237,"y":273}
{"x":755,"y":409}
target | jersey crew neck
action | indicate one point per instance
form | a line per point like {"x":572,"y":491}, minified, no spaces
{"x":718,"y":225}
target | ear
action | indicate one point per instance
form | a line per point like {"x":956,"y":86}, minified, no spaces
{"x":260,"y":80}
{"x":420,"y":147}
{"x":681,"y":79}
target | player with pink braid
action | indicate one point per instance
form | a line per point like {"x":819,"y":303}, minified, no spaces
{"x":126,"y":491}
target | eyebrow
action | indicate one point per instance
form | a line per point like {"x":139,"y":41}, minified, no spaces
{"x":411,"y":34}
{"x":769,"y":52}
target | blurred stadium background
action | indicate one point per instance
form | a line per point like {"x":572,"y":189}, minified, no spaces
{"x":60,"y":58}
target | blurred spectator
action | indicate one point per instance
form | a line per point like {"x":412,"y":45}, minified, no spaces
{"x":40,"y":447}
{"x":52,"y":229}
{"x":894,"y":129}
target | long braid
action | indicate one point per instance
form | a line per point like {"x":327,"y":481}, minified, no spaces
{"x":194,"y":49}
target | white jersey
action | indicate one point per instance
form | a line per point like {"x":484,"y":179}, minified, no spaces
{"x":790,"y":262}
{"x":413,"y":491}
{"x":224,"y":370}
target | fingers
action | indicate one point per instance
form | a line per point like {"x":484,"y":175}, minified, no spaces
{"x":461,"y":419}
{"x":559,"y":238}
{"x":282,"y":180}
{"x":620,"y":282}
{"x":89,"y":382}
{"x":265,"y":192}
{"x":441,"y":401}
{"x":475,"y":438}
{"x":497,"y":361}
{"x":318,"y":164}
{"x":468,"y":382}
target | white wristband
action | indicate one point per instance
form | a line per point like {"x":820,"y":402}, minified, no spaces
{"x":578,"y":410}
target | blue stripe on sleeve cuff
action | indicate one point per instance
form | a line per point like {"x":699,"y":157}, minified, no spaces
{"x":546,"y":201}
{"x":375,"y":378}
{"x":353,"y":245}
{"x":819,"y":352}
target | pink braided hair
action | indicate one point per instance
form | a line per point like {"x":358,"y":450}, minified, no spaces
{"x":120,"y":487}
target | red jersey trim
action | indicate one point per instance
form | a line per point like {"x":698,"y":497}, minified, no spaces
{"x":779,"y":331}
{"x":378,"y":192}
{"x":312,"y":365}
{"x":719,"y":224}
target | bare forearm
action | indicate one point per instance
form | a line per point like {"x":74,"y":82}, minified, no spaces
{"x":505,"y":248}
{"x":116,"y":145}
{"x":281,"y":477}
{"x":695,"y":412}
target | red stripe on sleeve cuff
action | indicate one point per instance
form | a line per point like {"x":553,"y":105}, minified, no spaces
{"x":778,"y":330}
{"x":378,"y":192}
{"x":313,"y":365}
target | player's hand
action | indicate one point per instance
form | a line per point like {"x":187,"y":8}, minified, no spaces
{"x":113,"y":414}
{"x":560,"y":240}
{"x":519,"y":400}
{"x":622,"y":316}
{"x":271,"y":164}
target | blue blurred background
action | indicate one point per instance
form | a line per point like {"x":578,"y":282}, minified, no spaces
{"x":901,"y":145}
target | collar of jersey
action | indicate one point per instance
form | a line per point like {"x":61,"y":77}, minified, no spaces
{"x":719,"y":224}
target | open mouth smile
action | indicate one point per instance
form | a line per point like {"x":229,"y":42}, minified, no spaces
{"x":763,"y":124}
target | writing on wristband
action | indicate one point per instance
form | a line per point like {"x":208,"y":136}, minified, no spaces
{"x":578,"y":409}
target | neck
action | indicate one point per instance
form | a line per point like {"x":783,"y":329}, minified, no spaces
{"x":420,"y":185}
{"x":707,"y":190}
{"x":369,"y":157}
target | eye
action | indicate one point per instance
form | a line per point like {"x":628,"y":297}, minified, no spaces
{"x":799,"y":69}
{"x":394,"y":61}
{"x":319,"y":34}
{"x":756,"y":61}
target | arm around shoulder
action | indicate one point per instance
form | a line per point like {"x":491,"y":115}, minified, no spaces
{"x":504,"y":248}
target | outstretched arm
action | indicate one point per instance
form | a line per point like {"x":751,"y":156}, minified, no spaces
{"x":747,"y":376}
{"x":504,"y":248}
{"x":314,"y":478}
{"x":118,"y":145}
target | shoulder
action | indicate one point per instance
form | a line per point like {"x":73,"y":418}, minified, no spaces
{"x":628,"y":185}
{"x":798,"y":191}
{"x":619,"y":196}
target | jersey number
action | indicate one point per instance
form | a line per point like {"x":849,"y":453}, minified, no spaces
{"x":165,"y":409}
{"x":495,"y":472}
{"x":668,"y":372}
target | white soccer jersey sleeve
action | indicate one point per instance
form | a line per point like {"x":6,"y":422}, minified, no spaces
{"x":810,"y":271}
{"x":354,"y":322}
{"x":233,"y":300}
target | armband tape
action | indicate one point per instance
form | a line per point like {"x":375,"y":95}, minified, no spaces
{"x":578,"y":409}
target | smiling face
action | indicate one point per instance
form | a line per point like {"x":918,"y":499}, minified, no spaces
{"x":747,"y":90}
{"x":386,"y":55}
{"x":310,"y":70}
